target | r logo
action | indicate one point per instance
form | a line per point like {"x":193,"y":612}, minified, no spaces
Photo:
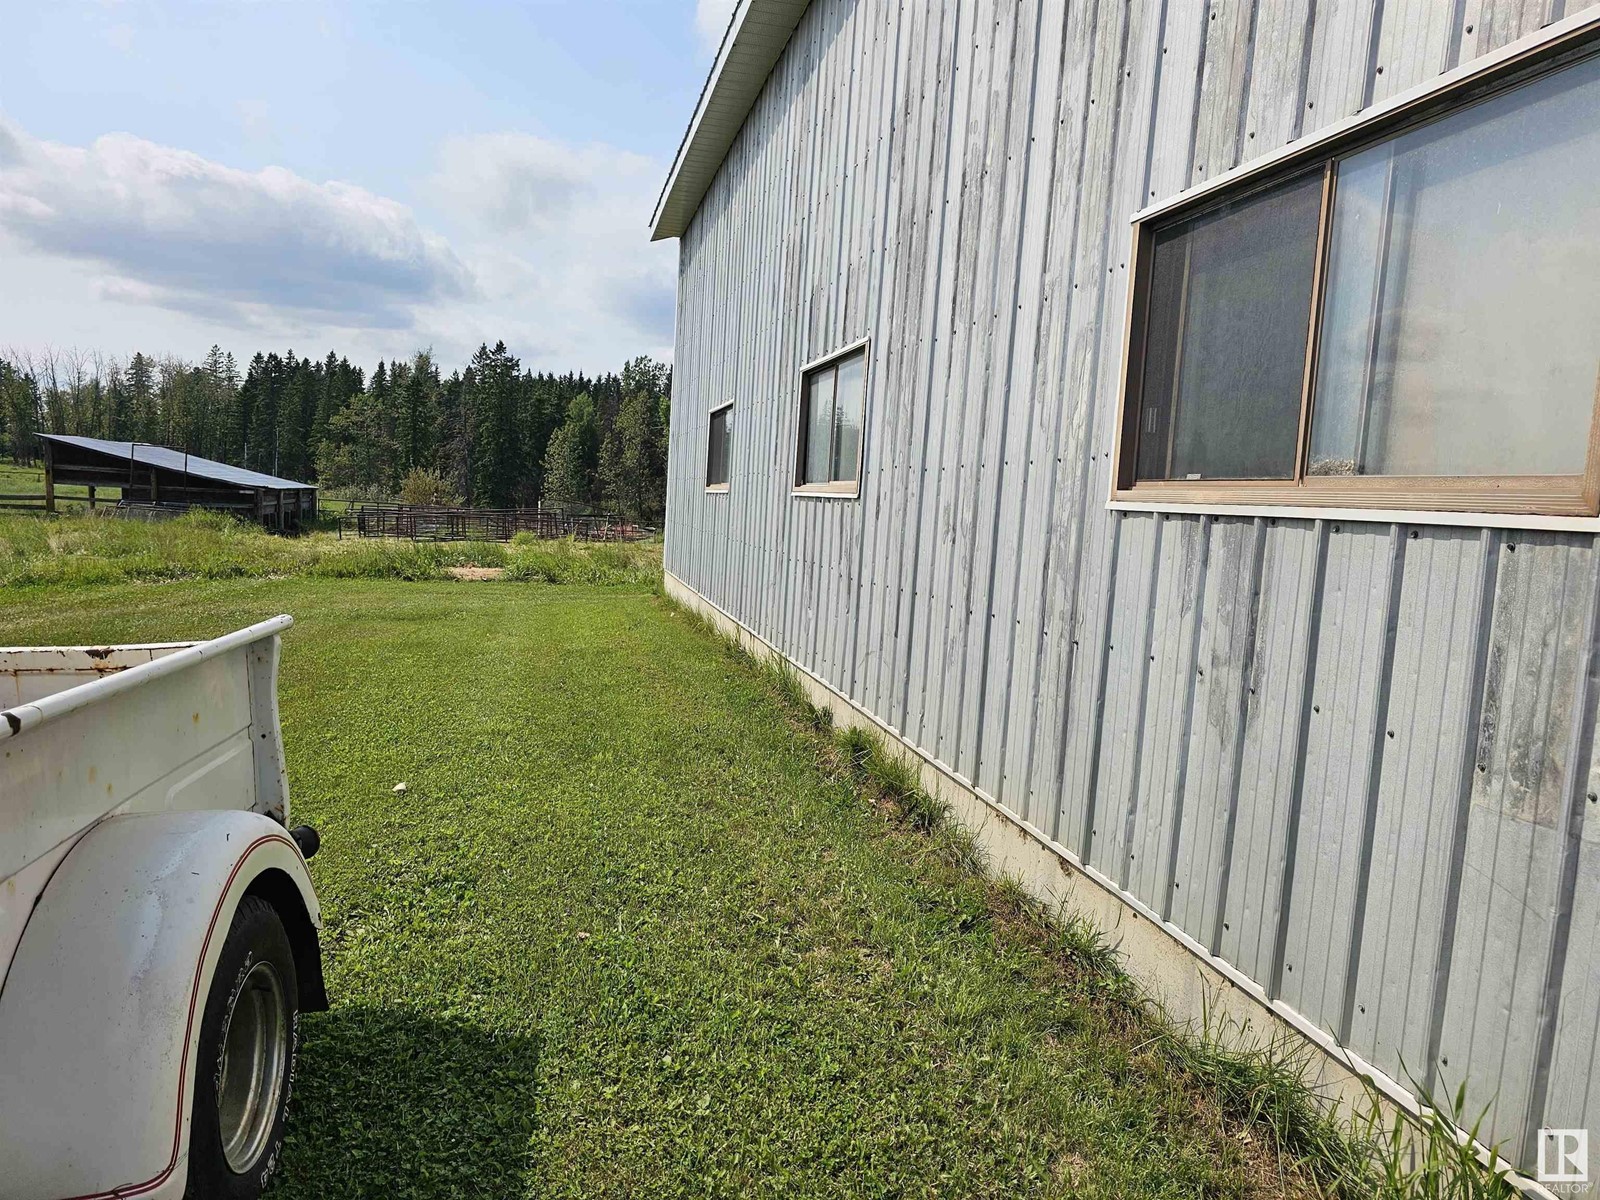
{"x":1563,"y":1156}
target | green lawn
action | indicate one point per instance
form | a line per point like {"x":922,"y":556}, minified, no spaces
{"x":625,"y":935}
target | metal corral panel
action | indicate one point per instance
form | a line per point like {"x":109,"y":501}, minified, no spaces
{"x":1353,"y":759}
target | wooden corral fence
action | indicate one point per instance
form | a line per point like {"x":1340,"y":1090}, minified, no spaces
{"x":442,"y":523}
{"x":40,"y":502}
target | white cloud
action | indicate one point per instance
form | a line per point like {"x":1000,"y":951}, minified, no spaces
{"x":172,"y":229}
{"x":557,"y":237}
{"x":125,"y":244}
{"x":711,"y":19}
{"x":517,"y":183}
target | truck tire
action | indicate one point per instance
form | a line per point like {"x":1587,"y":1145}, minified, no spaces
{"x":249,"y":1034}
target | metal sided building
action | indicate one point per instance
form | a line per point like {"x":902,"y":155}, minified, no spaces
{"x":159,"y":476}
{"x":1174,"y":424}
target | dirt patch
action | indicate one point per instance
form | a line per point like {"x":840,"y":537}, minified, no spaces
{"x":476,"y":572}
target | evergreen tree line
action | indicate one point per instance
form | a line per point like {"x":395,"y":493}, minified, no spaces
{"x":490,"y":434}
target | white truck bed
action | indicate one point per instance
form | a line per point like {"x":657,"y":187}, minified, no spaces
{"x":91,"y":731}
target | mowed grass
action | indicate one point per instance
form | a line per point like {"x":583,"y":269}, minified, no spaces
{"x":627,"y":933}
{"x":75,"y":551}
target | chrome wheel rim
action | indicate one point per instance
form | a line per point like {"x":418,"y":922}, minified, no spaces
{"x":255,"y":1061}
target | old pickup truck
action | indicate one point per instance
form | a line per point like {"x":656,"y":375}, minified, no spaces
{"x":158,"y":927}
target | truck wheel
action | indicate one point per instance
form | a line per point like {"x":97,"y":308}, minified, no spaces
{"x":248,"y":1038}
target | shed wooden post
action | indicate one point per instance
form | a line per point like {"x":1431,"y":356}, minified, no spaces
{"x":49,"y":480}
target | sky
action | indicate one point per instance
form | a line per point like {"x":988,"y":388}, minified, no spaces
{"x":368,"y":176}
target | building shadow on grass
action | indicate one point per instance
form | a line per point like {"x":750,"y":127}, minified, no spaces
{"x":390,"y":1102}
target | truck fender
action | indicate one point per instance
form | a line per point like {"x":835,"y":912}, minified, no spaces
{"x":100,"y":1011}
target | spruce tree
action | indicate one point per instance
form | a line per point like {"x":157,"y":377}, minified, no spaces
{"x":141,"y":381}
{"x":573,"y":457}
{"x":492,"y":411}
{"x":419,"y":413}
{"x":121,"y":415}
{"x":21,"y":414}
{"x":251,"y":396}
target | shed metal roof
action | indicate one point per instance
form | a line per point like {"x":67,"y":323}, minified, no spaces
{"x":756,"y":36}
{"x":168,"y":459}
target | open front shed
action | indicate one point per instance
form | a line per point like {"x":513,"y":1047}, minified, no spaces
{"x":160,"y":476}
{"x":1173,"y":424}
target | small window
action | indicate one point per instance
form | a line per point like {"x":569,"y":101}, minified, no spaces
{"x":832,"y":401}
{"x":1409,"y":318}
{"x":718,"y":448}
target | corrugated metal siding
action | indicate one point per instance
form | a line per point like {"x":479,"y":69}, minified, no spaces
{"x":1340,"y":755}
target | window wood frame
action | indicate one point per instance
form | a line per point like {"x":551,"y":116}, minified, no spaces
{"x":1546,"y":52}
{"x":718,"y":489}
{"x":844,"y":489}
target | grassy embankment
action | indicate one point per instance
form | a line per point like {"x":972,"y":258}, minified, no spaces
{"x":644,"y":925}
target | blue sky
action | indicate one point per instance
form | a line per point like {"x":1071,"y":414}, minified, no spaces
{"x":371,"y":177}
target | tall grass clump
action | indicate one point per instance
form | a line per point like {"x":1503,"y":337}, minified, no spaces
{"x":784,"y":680}
{"x":892,"y":777}
{"x":1425,"y":1158}
{"x":604,"y":564}
{"x":383,"y":559}
{"x":1268,"y":1086}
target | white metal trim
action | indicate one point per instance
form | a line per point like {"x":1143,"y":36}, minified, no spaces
{"x":757,"y":33}
{"x":1381,"y":516}
{"x":832,"y":356}
{"x":706,"y":91}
